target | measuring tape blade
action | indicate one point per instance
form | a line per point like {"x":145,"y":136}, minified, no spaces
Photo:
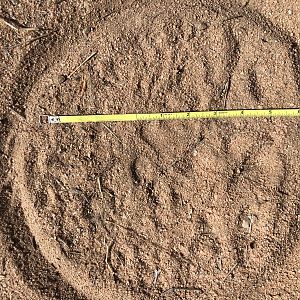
{"x":218,"y":114}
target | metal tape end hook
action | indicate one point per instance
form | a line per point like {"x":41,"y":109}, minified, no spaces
{"x":49,"y":119}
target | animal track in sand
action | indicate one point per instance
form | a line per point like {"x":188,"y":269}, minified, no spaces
{"x":163,"y":187}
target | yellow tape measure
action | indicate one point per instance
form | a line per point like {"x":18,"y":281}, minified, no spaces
{"x":217,"y":114}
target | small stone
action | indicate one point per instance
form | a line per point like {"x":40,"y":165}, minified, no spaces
{"x":61,"y":78}
{"x":87,"y":30}
{"x":246,"y":223}
{"x":201,"y":25}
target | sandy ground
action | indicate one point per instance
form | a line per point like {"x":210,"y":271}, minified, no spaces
{"x":202,"y":209}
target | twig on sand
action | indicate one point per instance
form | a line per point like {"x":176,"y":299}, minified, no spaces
{"x":83,"y":88}
{"x":108,"y":256}
{"x":100,"y":189}
{"x":84,"y":62}
{"x":230,"y":271}
{"x":106,"y":127}
{"x":63,"y":245}
{"x":251,"y":217}
{"x":225,"y":91}
{"x":16,"y":25}
{"x":3,"y":268}
{"x":219,"y":263}
{"x":36,"y":39}
{"x":156,"y":275}
{"x":3,"y":265}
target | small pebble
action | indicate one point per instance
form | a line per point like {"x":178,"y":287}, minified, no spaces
{"x":201,"y":25}
{"x":246,"y":223}
{"x":87,"y":30}
{"x":61,"y":79}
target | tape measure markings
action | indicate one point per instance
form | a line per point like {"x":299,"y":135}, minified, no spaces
{"x":218,"y":114}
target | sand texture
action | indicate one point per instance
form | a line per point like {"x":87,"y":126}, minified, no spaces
{"x":163,"y":210}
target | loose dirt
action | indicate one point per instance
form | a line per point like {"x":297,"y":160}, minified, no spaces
{"x":198,"y":209}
